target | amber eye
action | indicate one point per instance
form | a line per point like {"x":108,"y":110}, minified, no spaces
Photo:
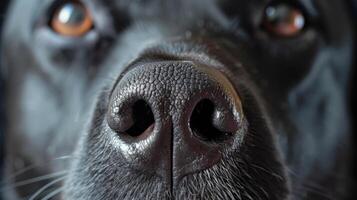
{"x":71,"y":19}
{"x":284,"y":20}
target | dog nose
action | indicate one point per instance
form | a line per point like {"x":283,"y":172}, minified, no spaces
{"x":174,"y":118}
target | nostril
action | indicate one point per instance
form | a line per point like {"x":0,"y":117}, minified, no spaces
{"x":202,"y":122}
{"x":143,"y":119}
{"x":132,"y":119}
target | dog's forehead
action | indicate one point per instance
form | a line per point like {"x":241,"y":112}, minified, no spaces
{"x":157,"y":3}
{"x":163,"y":10}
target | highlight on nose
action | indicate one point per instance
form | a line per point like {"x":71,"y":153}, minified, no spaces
{"x":177,"y":117}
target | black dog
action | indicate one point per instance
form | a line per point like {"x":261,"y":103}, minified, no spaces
{"x":189,"y":99}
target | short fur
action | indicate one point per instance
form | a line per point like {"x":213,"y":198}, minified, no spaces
{"x":293,"y":90}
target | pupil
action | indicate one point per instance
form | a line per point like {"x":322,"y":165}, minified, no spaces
{"x":71,"y":14}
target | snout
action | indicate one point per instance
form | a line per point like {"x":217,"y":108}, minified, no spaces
{"x":175,"y":118}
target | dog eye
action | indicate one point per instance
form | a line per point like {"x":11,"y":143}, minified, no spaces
{"x":283,"y":20}
{"x":71,"y":19}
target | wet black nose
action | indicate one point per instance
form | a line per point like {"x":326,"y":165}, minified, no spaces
{"x":174,"y":118}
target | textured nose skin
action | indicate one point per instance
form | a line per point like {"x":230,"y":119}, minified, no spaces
{"x":174,"y":118}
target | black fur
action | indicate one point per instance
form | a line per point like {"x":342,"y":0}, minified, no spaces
{"x":294,"y":94}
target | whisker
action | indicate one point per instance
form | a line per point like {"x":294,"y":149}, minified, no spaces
{"x":30,"y":167}
{"x":53,"y":193}
{"x":21,"y":171}
{"x":269,"y":172}
{"x":34,"y":180}
{"x":308,"y":187}
{"x":46,"y":187}
{"x":302,"y":190}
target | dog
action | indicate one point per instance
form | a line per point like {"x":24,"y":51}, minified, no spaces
{"x":163,"y":99}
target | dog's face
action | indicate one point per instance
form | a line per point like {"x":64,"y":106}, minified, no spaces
{"x":189,"y":99}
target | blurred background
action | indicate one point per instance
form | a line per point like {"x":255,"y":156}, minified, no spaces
{"x":3,"y":4}
{"x":353,"y":99}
